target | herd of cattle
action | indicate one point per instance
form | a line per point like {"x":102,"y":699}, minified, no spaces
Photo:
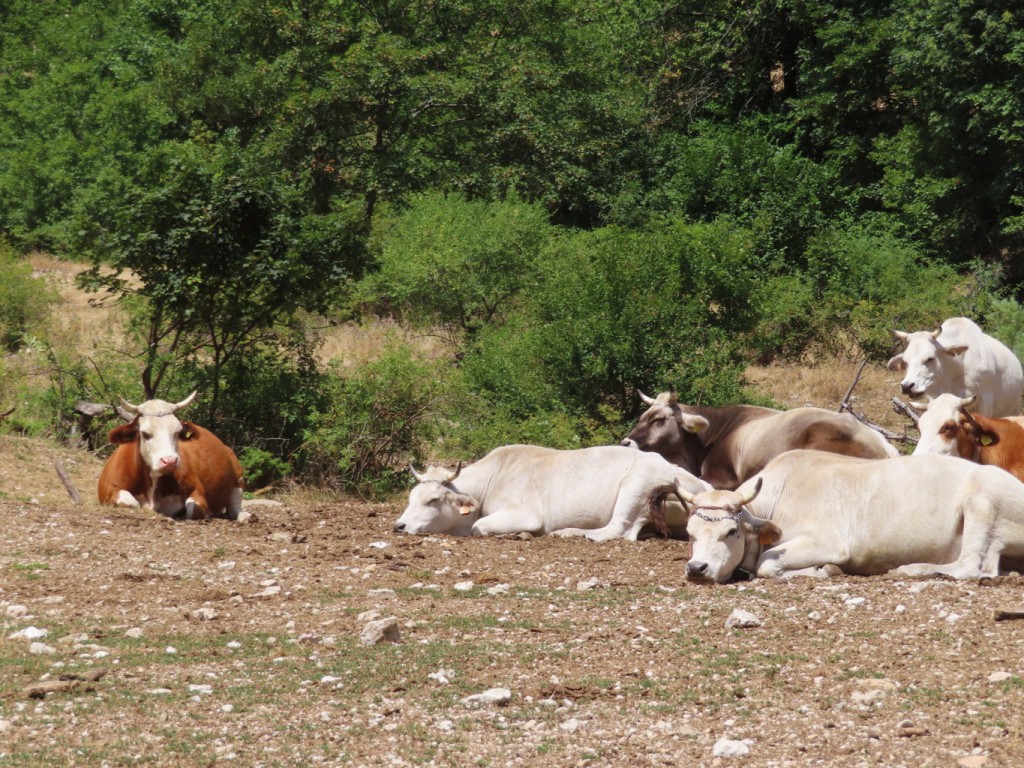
{"x":757,"y":491}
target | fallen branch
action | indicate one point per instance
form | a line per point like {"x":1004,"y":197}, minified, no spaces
{"x":847,"y":405}
{"x":900,"y":407}
{"x":66,"y":479}
{"x":69,"y":683}
{"x":999,"y":615}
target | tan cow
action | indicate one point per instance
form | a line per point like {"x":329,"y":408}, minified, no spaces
{"x":725,"y":446}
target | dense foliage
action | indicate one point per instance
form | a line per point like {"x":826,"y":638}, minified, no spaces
{"x":580,"y":199}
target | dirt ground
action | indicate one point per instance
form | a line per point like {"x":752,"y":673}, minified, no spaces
{"x":241,"y":643}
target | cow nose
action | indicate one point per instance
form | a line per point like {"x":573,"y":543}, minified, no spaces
{"x":906,"y":387}
{"x":628,"y":443}
{"x":168,"y":462}
{"x":399,"y":527}
{"x":696,"y":569}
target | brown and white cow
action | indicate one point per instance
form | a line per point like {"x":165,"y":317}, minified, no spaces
{"x":725,"y":446}
{"x":949,"y":428}
{"x":175,"y":468}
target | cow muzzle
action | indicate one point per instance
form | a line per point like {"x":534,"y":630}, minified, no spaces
{"x":908,"y":388}
{"x":168,"y":463}
{"x":697,"y":570}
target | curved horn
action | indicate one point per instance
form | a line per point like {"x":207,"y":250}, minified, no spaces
{"x":420,"y":477}
{"x":936,"y":333}
{"x":684,"y":494}
{"x":751,"y":495}
{"x":901,"y":335}
{"x":452,"y":475}
{"x":125,"y":405}
{"x":647,"y":400}
{"x":186,"y":401}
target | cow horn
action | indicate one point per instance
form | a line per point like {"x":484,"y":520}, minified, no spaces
{"x":452,"y":475}
{"x":647,"y":400}
{"x":967,"y":415}
{"x":186,"y":401}
{"x":126,"y":406}
{"x":967,"y":402}
{"x":750,"y":496}
{"x":684,"y":494}
{"x":420,"y":477}
{"x":901,"y":335}
{"x":936,"y":333}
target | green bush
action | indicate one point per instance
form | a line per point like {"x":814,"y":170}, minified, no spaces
{"x":375,"y":420}
{"x":262,"y":468}
{"x":25,"y":302}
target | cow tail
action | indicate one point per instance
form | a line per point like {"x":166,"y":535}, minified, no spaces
{"x":656,"y":509}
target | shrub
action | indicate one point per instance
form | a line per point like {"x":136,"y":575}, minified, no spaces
{"x":25,"y":302}
{"x":375,"y":420}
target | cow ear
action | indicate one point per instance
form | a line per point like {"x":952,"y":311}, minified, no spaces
{"x":959,"y":349}
{"x":691,"y":422}
{"x":768,"y":534}
{"x":988,"y":437}
{"x":123,"y":434}
{"x":188,"y":431}
{"x":896,"y":363}
{"x":467,"y":504}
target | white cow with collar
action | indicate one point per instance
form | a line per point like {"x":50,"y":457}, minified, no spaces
{"x":820,"y":514}
{"x":960,"y":359}
{"x":602,"y":493}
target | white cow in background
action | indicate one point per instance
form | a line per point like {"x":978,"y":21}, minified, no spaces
{"x":602,"y":493}
{"x":960,"y":359}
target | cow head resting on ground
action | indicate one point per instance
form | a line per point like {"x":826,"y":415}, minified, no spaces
{"x":157,"y":431}
{"x":723,"y":534}
{"x":931,"y":368}
{"x":436,"y":506}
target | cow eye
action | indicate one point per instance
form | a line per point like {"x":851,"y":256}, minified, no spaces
{"x":146,"y":435}
{"x":948,"y":429}
{"x":733,"y":531}
{"x":657,"y":420}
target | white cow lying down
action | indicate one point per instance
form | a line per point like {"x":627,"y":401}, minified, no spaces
{"x":819,"y":513}
{"x":601,"y":493}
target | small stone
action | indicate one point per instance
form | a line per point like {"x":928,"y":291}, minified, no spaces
{"x":498,"y":589}
{"x":30,"y":633}
{"x":442,"y":676}
{"x":193,"y":688}
{"x":204,"y":614}
{"x":134,"y":633}
{"x":498,"y":697}
{"x":381,"y":631}
{"x":583,"y":586}
{"x":463,"y":586}
{"x":571,"y":725}
{"x":742,"y":619}
{"x":41,"y":649}
{"x":16,"y":611}
{"x":998,"y":677}
{"x":170,"y":650}
{"x":972,"y":761}
{"x":730,"y":748}
{"x":383,"y":592}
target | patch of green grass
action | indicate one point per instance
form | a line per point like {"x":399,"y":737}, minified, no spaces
{"x":30,"y":571}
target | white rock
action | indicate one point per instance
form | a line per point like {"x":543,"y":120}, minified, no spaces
{"x":814,"y":616}
{"x":205,"y":613}
{"x":41,"y":649}
{"x":383,"y":592}
{"x":742,"y":619}
{"x":16,"y":611}
{"x":998,"y":677}
{"x":170,"y":650}
{"x":134,"y":633}
{"x":730,"y":748}
{"x":854,"y":601}
{"x":159,"y":691}
{"x":379,"y":544}
{"x":274,"y":589}
{"x":953,"y":618}
{"x":571,"y":725}
{"x":463,"y":586}
{"x":5,"y":725}
{"x":442,"y":676}
{"x":583,"y":586}
{"x":30,"y":633}
{"x":498,"y":697}
{"x":193,"y":688}
{"x":381,"y":631}
{"x":234,"y":645}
